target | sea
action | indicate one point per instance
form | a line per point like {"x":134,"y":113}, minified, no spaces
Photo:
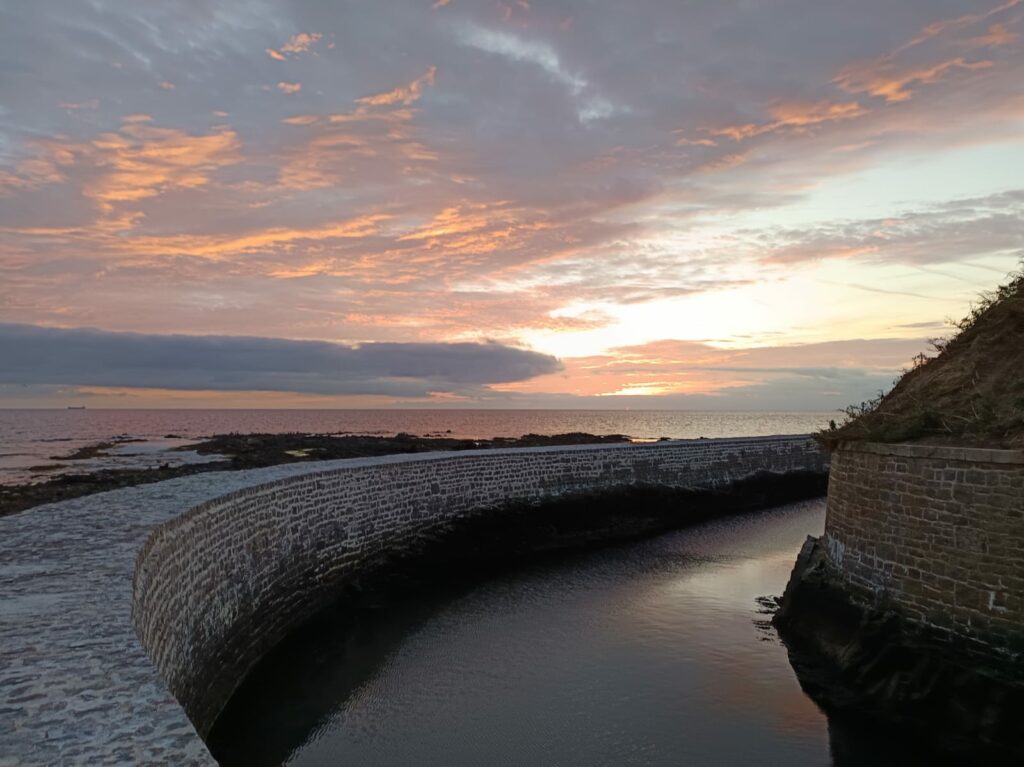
{"x":37,"y":444}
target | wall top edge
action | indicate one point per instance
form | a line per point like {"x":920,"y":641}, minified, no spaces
{"x":315,"y":470}
{"x":946,"y":452}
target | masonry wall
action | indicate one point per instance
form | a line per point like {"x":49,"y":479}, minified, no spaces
{"x":937,"y":532}
{"x":217,"y":587}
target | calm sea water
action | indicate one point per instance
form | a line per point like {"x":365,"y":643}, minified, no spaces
{"x":651,"y":653}
{"x":33,"y":439}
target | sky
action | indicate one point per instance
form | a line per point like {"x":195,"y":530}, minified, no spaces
{"x":706,"y":204}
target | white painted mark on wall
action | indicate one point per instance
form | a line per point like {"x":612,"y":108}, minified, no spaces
{"x":836,"y":550}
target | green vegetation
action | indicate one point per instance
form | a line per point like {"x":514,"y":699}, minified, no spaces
{"x":970,"y":393}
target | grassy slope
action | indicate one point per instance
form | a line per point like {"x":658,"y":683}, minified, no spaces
{"x":972,"y":393}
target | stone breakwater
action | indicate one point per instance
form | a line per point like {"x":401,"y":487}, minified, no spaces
{"x":210,"y":570}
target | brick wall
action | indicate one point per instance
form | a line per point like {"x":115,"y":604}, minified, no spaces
{"x":217,"y":587}
{"x":937,"y":532}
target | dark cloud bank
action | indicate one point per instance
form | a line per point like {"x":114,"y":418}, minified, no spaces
{"x":33,"y":355}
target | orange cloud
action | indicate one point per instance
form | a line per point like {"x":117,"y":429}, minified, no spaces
{"x":895,"y":87}
{"x":684,"y":141}
{"x":885,"y":78}
{"x":800,"y":115}
{"x":301,"y":42}
{"x":998,"y":35}
{"x":167,"y":85}
{"x":341,"y":145}
{"x":51,"y":157}
{"x":295,"y":45}
{"x":793,"y":116}
{"x":134,"y":163}
{"x":439,"y":4}
{"x":341,"y":141}
{"x":938,"y":28}
{"x":142,"y":161}
{"x":273,"y":238}
{"x":404,"y":94}
{"x":325,"y":158}
{"x":479,"y":228}
{"x":10,"y":182}
{"x":289,"y":87}
{"x":301,"y":119}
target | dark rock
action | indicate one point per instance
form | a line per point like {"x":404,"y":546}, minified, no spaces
{"x":250,"y":451}
{"x":858,"y":655}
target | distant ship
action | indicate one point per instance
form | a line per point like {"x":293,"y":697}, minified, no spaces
{"x":76,"y":407}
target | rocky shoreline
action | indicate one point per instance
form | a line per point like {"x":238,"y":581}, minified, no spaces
{"x":857,"y":658}
{"x":251,"y":451}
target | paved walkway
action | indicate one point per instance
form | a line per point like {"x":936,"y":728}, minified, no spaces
{"x":76,"y":687}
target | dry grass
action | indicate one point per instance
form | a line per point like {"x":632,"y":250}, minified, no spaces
{"x":972,"y":393}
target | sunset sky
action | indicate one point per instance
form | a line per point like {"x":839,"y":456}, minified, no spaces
{"x":543,"y":203}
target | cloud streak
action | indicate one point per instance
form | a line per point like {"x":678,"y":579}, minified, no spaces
{"x":84,"y":357}
{"x":296,"y":44}
{"x":404,"y":94}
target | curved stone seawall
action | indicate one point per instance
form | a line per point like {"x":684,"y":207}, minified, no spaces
{"x":217,"y":587}
{"x":76,"y":685}
{"x":936,"y":532}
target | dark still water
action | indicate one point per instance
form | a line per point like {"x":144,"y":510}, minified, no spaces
{"x":650,"y":653}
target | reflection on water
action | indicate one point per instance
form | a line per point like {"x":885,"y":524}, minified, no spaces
{"x":651,"y":653}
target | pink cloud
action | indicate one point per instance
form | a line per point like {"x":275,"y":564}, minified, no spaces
{"x":403,"y":94}
{"x":296,"y":44}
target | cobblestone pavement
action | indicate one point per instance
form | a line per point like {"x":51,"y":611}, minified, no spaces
{"x":76,"y":687}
